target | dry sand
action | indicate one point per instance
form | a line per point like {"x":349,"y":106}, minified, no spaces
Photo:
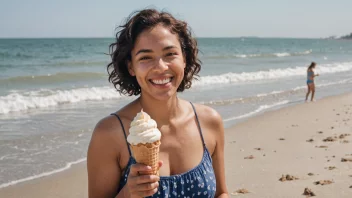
{"x":277,"y":154}
{"x":291,"y":142}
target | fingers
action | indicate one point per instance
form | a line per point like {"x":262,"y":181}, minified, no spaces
{"x":148,"y":186}
{"x":144,"y":193}
{"x":144,"y":179}
{"x":142,"y":185}
{"x":160,"y":163}
{"x":135,"y":168}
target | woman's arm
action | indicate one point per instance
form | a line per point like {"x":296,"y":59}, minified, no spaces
{"x":216,"y":127}
{"x":102,"y":161}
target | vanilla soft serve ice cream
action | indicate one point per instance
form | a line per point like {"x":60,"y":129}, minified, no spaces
{"x":143,"y":130}
{"x":144,"y":138}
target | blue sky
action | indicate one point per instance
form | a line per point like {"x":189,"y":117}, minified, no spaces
{"x":208,"y":18}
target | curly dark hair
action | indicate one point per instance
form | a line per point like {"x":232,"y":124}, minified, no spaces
{"x":136,"y":23}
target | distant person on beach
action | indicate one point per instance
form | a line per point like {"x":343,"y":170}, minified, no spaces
{"x":155,"y":57}
{"x":310,"y":81}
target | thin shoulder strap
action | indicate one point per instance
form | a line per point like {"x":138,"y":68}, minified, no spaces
{"x":198,"y":123}
{"x":124,"y":132}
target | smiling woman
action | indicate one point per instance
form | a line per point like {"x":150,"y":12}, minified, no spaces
{"x":155,"y":56}
{"x":148,"y":20}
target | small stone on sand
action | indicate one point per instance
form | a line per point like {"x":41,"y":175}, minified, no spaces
{"x":308,"y":192}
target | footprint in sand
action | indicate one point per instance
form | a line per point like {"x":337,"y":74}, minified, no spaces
{"x":331,"y":167}
{"x":323,"y":182}
{"x":323,"y":146}
{"x":249,"y":157}
{"x":346,"y":160}
{"x":330,"y":139}
{"x":342,"y":136}
{"x":240,"y":191}
{"x":288,"y":177}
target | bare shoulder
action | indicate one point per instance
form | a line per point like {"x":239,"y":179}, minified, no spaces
{"x":209,"y":116}
{"x":110,"y":134}
{"x":107,"y":136}
{"x":212,"y":127}
{"x":107,"y":128}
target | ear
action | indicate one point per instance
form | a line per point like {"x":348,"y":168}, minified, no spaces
{"x":130,"y":68}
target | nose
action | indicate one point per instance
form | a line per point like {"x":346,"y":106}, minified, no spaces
{"x":161,"y":64}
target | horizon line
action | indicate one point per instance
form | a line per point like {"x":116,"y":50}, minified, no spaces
{"x":92,"y":37}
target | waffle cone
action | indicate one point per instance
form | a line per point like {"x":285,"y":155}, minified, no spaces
{"x":147,"y":154}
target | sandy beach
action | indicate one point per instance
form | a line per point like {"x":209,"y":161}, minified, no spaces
{"x":308,"y":145}
{"x":309,"y":141}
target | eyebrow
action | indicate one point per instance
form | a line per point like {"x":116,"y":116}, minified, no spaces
{"x":149,"y":50}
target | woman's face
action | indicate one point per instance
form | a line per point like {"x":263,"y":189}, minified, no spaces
{"x":157,"y":62}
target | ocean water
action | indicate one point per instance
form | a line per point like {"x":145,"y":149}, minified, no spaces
{"x":54,"y":91}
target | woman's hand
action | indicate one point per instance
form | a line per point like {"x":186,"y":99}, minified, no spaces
{"x":139,"y":186}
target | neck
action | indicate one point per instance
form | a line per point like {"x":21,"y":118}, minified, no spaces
{"x":162,"y":111}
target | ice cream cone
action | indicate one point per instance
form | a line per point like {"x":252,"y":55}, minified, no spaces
{"x":144,"y":138}
{"x":147,"y":154}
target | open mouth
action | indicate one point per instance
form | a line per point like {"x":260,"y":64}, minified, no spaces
{"x":161,"y":81}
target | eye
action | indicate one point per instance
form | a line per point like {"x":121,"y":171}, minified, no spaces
{"x":145,"y":58}
{"x":171,"y":54}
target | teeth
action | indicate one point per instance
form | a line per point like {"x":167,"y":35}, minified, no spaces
{"x":160,"y":82}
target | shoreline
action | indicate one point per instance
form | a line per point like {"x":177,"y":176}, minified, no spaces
{"x":252,"y":174}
